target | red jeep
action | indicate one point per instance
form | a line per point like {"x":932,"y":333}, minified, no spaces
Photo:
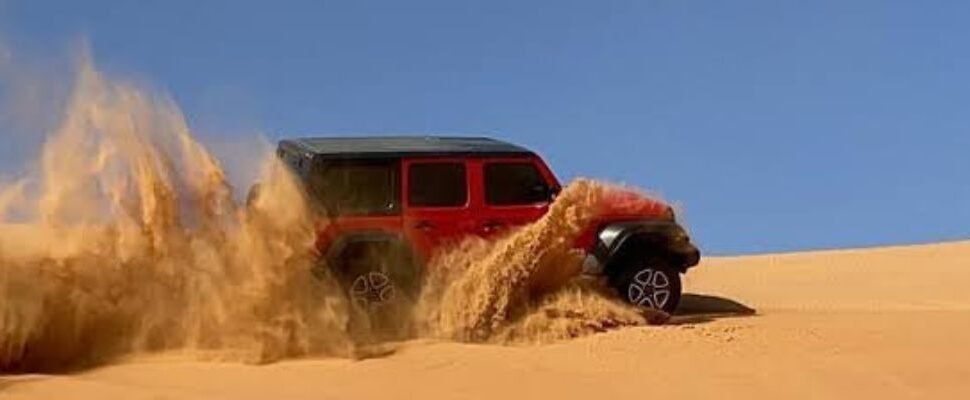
{"x":398,"y":198}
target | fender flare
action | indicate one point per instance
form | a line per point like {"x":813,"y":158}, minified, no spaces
{"x":331,"y":258}
{"x":666,"y":237}
{"x":338,"y":245}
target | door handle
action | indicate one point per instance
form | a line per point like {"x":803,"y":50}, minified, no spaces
{"x":492,"y":225}
{"x":424,"y":225}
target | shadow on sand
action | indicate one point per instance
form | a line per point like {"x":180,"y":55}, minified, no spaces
{"x":700,"y":308}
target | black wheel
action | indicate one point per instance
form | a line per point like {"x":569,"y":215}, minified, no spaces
{"x":372,"y":288}
{"x":378,"y":274}
{"x":382,"y":282}
{"x":648,"y":283}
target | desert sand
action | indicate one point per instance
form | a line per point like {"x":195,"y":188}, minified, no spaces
{"x":886,"y":323}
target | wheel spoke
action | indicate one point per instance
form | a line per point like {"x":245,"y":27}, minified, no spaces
{"x":360,"y":285}
{"x":372,"y":288}
{"x":377,"y":279}
{"x":660,"y":297}
{"x":386,"y":293}
{"x":643,"y":277}
{"x":634,"y":293}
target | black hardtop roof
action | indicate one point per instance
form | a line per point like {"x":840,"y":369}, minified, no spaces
{"x":400,"y":146}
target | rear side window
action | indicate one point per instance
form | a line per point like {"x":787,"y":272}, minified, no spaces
{"x":437,"y":185}
{"x":357,"y":187}
{"x":515,"y":183}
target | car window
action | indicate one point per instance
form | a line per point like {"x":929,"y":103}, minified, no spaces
{"x":441,"y":184}
{"x":357,"y":187}
{"x":515,"y":183}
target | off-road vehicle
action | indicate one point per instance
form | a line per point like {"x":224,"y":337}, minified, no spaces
{"x":392,"y":201}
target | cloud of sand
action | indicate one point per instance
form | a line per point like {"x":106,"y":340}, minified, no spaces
{"x":125,"y":238}
{"x":32,"y":93}
{"x":524,"y":286}
{"x":128,"y":239}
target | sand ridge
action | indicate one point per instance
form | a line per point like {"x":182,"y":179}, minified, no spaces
{"x":895,"y":351}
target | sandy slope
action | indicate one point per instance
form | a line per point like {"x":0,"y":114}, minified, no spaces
{"x":887,"y":323}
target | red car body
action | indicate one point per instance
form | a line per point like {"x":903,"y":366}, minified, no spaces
{"x":428,"y":191}
{"x":426,"y":228}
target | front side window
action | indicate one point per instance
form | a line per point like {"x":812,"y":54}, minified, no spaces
{"x":357,"y":187}
{"x":441,"y":184}
{"x":515,"y":183}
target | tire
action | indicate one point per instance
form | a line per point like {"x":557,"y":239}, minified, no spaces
{"x":382,"y":283}
{"x":648,"y":283}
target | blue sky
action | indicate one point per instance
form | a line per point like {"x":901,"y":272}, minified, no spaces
{"x":777,"y":125}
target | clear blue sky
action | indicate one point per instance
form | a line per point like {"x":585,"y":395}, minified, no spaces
{"x":778,"y":125}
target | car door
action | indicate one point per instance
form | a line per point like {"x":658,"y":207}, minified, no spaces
{"x":437,"y":202}
{"x":515,"y":192}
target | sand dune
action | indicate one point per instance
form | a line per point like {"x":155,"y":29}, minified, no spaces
{"x":882,"y":323}
{"x":124,"y":243}
{"x":924,"y":277}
